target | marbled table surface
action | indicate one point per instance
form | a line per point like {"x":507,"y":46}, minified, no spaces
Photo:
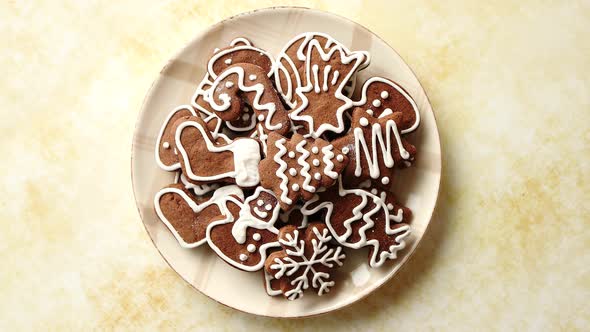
{"x":508,"y":248}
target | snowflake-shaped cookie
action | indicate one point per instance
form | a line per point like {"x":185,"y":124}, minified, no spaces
{"x":306,"y":260}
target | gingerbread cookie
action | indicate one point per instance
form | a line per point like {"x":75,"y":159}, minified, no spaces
{"x":296,"y":168}
{"x":248,"y":84}
{"x":197,"y":189}
{"x":375,"y":148}
{"x":240,"y":53}
{"x":246,"y":232}
{"x":291,"y":61}
{"x":364,"y":218}
{"x":205,"y":161}
{"x":188,"y":216}
{"x":381,"y":97}
{"x":166,"y":154}
{"x":306,"y":260}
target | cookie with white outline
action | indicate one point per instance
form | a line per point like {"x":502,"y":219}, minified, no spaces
{"x":204,"y":160}
{"x":240,"y":53}
{"x":375,"y":148}
{"x":246,"y":233}
{"x":296,"y":168}
{"x":165,"y":150}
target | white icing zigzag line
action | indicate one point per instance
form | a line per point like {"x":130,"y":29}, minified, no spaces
{"x":363,"y":99}
{"x":175,"y":166}
{"x":301,"y":90}
{"x":328,"y":155}
{"x":258,"y":88}
{"x":246,"y":153}
{"x":219,"y":198}
{"x":386,"y":151}
{"x":375,"y":260}
{"x":238,"y":48}
{"x":281,"y":171}
{"x":305,"y":166}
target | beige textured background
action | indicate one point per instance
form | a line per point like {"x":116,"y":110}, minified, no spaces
{"x":509,"y":247}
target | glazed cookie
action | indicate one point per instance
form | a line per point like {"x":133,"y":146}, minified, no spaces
{"x":291,"y":60}
{"x":244,"y":235}
{"x":166,"y":154}
{"x":364,"y":218}
{"x":297,"y":167}
{"x":248,"y":84}
{"x":325,"y":75}
{"x":197,"y":189}
{"x":381,"y":97}
{"x":375,"y":148}
{"x":205,"y":161}
{"x":240,"y":53}
{"x":187,"y":216}
{"x":306,"y":260}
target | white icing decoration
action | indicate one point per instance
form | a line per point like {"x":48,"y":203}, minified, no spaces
{"x":268,"y":207}
{"x":385,"y":180}
{"x":390,"y":206}
{"x":240,"y":40}
{"x":363,"y":99}
{"x":246,"y":157}
{"x":295,"y":187}
{"x":300,"y":147}
{"x":243,"y":257}
{"x":261,"y":214}
{"x":229,"y":84}
{"x":364,"y":122}
{"x":246,"y":116}
{"x":215,"y":50}
{"x":340,"y":158}
{"x":292,"y":171}
{"x":370,"y":112}
{"x":280,"y":173}
{"x":236,"y":49}
{"x":328,"y":155}
{"x":316,"y":162}
{"x":326,"y":74}
{"x":385,"y":113}
{"x":227,"y":61}
{"x":198,"y":189}
{"x":345,"y":58}
{"x":335,"y":77}
{"x":384,"y":94}
{"x":377,"y":259}
{"x":166,"y":145}
{"x":202,"y":91}
{"x":256,"y":237}
{"x":260,"y":117}
{"x":251,"y":248}
{"x":219,"y":198}
{"x":258,"y":88}
{"x":174,"y":166}
{"x":315,"y":150}
{"x":345,"y":150}
{"x":252,"y":77}
{"x":321,"y":255}
{"x":260,"y":202}
{"x":376,"y":103}
{"x":317,"y":176}
{"x":291,"y":154}
{"x":372,"y":156}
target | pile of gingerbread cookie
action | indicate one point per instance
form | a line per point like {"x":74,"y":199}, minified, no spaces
{"x":282,"y":164}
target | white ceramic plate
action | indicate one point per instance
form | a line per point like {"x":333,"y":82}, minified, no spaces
{"x":270,"y":29}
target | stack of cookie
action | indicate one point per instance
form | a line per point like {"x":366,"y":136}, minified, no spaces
{"x":280,"y":169}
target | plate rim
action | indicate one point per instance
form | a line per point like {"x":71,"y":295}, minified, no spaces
{"x":365,"y":293}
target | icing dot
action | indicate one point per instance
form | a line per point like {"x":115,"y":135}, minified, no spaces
{"x":340,"y":158}
{"x":364,"y":122}
{"x":260,"y":117}
{"x":316,"y":162}
{"x":311,"y":189}
{"x":385,"y":180}
{"x":243,"y":257}
{"x":295,"y":187}
{"x":227,"y":61}
{"x":216,"y":50}
{"x":345,"y":150}
{"x":268,"y":207}
{"x":251,"y":248}
{"x":260,"y":202}
{"x":390,"y":206}
{"x":374,"y":191}
{"x":291,"y":154}
{"x":292,"y":171}
{"x":317,"y":176}
{"x":229,"y":84}
{"x":384,"y":94}
{"x":252,"y":77}
{"x":166,"y":145}
{"x":370,"y":112}
{"x":256,"y":237}
{"x":245,"y":117}
{"x":376,"y":102}
{"x":315,"y":150}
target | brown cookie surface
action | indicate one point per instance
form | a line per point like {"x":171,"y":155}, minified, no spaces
{"x":166,"y":154}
